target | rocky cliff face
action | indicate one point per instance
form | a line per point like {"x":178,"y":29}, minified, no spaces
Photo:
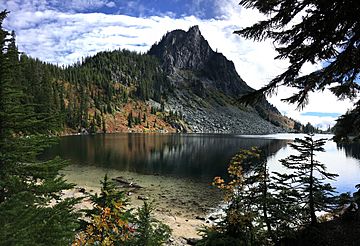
{"x":206,"y":88}
{"x":180,"y":50}
{"x":183,"y":50}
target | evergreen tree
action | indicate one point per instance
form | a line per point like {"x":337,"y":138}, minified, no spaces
{"x":103,"y":123}
{"x":149,"y":231}
{"x":110,"y":222}
{"x":313,"y":31}
{"x":62,"y":96}
{"x":138,"y":119}
{"x":250,"y":215}
{"x":306,"y":182}
{"x":26,"y":185}
{"x":153,"y":110}
{"x":262,"y":209}
{"x":109,"y":219}
{"x":92,"y":128}
{"x":144,"y":118}
{"x":348,"y":125}
{"x":309,"y":129}
{"x":130,"y":119}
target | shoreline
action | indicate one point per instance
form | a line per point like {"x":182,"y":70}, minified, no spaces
{"x":61,"y":134}
{"x":184,"y":226}
{"x":184,"y":205}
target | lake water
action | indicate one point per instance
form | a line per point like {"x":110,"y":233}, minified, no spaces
{"x":192,"y":157}
{"x":176,"y":170}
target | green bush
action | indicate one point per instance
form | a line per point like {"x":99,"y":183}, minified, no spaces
{"x":149,"y":231}
{"x":213,"y":237}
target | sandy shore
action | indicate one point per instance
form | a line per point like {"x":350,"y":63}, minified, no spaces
{"x":182,"y":204}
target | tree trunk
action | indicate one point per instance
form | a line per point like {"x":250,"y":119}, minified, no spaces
{"x":313,"y":220}
{"x":265,"y":203}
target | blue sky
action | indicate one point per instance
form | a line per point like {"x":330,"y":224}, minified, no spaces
{"x":63,"y":31}
{"x":138,"y":8}
{"x":175,"y":8}
{"x":321,"y":114}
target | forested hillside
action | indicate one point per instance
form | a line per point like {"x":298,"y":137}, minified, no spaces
{"x":83,"y":94}
{"x":195,"y":90}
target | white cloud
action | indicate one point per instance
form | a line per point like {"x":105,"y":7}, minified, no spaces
{"x":111,"y":5}
{"x":256,"y":65}
{"x":64,"y":5}
{"x":63,"y":38}
{"x":195,"y":7}
{"x":83,"y":4}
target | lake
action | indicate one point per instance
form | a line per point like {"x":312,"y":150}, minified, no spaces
{"x":177,"y":169}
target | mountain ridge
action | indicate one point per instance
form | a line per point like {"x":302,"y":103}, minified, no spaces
{"x":190,"y":62}
{"x":191,"y":51}
{"x":181,"y":85}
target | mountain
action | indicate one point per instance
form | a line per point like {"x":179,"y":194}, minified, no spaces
{"x":189,"y":51}
{"x":180,"y":85}
{"x":206,"y":88}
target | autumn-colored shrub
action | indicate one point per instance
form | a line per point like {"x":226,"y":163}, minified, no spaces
{"x":108,"y":223}
{"x":112,"y":223}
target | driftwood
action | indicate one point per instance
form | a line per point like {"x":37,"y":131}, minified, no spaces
{"x":125,"y":183}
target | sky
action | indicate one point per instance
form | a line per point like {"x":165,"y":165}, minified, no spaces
{"x":63,"y":31}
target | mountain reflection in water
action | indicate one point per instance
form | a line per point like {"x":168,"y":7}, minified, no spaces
{"x":197,"y":156}
{"x":200,"y":157}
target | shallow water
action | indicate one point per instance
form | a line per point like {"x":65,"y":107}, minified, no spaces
{"x":176,"y":169}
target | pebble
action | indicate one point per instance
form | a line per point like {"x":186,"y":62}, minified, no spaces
{"x":200,"y":218}
{"x":144,"y":198}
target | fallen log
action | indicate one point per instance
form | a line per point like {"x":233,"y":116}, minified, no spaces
{"x":125,"y":183}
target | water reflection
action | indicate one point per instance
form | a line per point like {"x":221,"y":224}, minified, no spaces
{"x":343,"y":160}
{"x":197,"y":156}
{"x":194,"y":156}
{"x":351,"y":149}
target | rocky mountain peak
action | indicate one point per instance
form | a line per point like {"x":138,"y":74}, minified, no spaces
{"x":194,"y":29}
{"x":181,"y":50}
{"x":195,"y":34}
{"x":206,"y":80}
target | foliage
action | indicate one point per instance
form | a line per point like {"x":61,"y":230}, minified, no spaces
{"x":313,"y":31}
{"x":99,"y":84}
{"x":249,"y":213}
{"x":109,"y":219}
{"x":149,"y":231}
{"x":213,"y":236}
{"x":110,"y":222}
{"x":24,"y":224}
{"x":130,"y":119}
{"x":356,"y":194}
{"x":27,"y":186}
{"x":306,"y":180}
{"x":348,"y":125}
{"x":262,"y":209}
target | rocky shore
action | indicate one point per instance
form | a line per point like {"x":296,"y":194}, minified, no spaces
{"x":185,"y":205}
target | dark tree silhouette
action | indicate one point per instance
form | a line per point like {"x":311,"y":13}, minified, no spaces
{"x":314,"y":31}
{"x":27,"y":185}
{"x":307,"y":178}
